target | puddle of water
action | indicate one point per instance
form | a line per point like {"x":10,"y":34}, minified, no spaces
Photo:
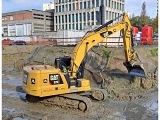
{"x":18,"y":118}
{"x":13,"y":94}
{"x":11,"y":110}
{"x":12,"y":80}
{"x":152,"y":105}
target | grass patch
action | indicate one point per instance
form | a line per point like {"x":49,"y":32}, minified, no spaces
{"x":154,"y":52}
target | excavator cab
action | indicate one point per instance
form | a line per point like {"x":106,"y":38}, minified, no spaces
{"x":63,"y":63}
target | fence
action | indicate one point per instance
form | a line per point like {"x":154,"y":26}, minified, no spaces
{"x":110,"y":41}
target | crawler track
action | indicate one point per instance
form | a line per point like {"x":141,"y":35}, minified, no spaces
{"x":74,"y":101}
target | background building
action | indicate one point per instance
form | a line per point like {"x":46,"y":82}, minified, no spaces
{"x":22,"y":25}
{"x":80,"y":14}
{"x":48,"y":6}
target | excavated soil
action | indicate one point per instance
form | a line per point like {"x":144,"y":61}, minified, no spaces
{"x":128,"y":98}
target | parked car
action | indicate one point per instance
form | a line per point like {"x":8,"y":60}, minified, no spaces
{"x":20,"y":42}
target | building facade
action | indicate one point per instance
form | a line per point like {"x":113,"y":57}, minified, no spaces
{"x":24,"y":24}
{"x":79,"y":14}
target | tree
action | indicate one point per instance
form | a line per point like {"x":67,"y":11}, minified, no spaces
{"x":155,"y":24}
{"x":143,"y":19}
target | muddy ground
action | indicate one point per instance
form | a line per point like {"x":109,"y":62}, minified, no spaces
{"x":128,"y":98}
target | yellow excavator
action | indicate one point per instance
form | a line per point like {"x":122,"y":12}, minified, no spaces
{"x":63,"y":84}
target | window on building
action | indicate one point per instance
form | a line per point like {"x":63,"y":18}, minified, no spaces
{"x":56,"y":8}
{"x":72,"y":17}
{"x":66,"y":7}
{"x":76,"y":26}
{"x":72,"y":26}
{"x":66,"y":18}
{"x":114,"y":5}
{"x":66,"y":26}
{"x":110,"y":15}
{"x":118,"y":16}
{"x":69,"y":17}
{"x":56,"y":19}
{"x":69,"y":26}
{"x":107,"y":15}
{"x":85,"y":5}
{"x":56,"y":28}
{"x":11,"y":30}
{"x":11,"y":17}
{"x":62,"y":8}
{"x":84,"y":16}
{"x":80,"y":27}
{"x":59,"y":19}
{"x":69,"y":7}
{"x":93,"y":3}
{"x":73,"y":6}
{"x":92,"y":15}
{"x":97,"y":3}
{"x":76,"y":17}
{"x":62,"y":27}
{"x":77,"y":6}
{"x":117,"y":6}
{"x":88,"y":4}
{"x":122,"y":7}
{"x":109,"y":4}
{"x":88,"y":16}
{"x":102,"y":2}
{"x":81,"y":5}
{"x":59,"y":8}
{"x":97,"y":15}
{"x":80,"y":16}
{"x":62,"y":18}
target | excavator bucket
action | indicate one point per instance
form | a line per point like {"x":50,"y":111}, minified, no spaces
{"x":136,"y":70}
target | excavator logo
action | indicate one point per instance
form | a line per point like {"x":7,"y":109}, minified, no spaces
{"x":53,"y":79}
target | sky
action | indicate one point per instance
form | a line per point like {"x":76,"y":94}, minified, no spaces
{"x":132,"y":6}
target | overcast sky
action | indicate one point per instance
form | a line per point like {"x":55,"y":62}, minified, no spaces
{"x":132,"y":6}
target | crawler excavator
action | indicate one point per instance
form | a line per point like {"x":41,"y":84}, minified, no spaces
{"x":63,"y":83}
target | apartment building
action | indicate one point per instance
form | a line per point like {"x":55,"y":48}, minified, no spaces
{"x":26,"y":23}
{"x":79,"y":14}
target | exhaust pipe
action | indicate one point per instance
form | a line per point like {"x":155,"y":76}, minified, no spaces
{"x":135,"y":69}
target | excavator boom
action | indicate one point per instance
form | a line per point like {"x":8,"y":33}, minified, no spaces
{"x":98,"y":35}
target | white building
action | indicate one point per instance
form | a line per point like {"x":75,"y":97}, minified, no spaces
{"x":48,"y":6}
{"x":77,"y":14}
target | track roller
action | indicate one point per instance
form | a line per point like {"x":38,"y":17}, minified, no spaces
{"x":99,"y":94}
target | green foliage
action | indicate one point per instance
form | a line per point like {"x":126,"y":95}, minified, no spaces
{"x":140,"y":21}
{"x":155,"y":24}
{"x":154,"y":52}
{"x":106,"y":54}
{"x":143,"y":19}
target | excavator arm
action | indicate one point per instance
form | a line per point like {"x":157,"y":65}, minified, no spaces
{"x":98,"y":35}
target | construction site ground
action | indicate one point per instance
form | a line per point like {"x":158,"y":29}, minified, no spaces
{"x":128,"y":98}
